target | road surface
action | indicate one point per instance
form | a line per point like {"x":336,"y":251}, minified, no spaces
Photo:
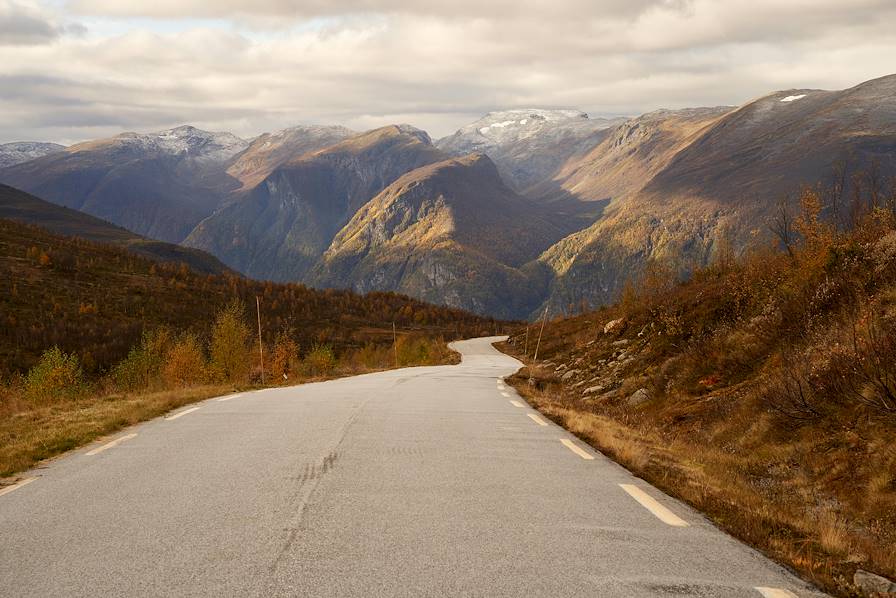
{"x":433,"y":481}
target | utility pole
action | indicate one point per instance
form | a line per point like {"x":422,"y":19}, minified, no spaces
{"x":395,"y":344}
{"x":538,"y":344}
{"x":260,"y":346}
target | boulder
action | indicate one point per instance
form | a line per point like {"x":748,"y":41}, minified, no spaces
{"x":621,"y":342}
{"x":638,"y":397}
{"x":873,"y":585}
{"x":614,"y":326}
{"x":568,"y":375}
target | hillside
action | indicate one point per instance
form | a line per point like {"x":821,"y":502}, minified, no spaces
{"x":718,"y":181}
{"x":762,"y":390}
{"x":22,"y":207}
{"x":96,"y":299}
{"x":451,"y":232}
{"x":279,"y":229}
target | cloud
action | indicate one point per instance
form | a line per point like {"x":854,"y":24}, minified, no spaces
{"x":437,"y":65}
{"x":27,"y":24}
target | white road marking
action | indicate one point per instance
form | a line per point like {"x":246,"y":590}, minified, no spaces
{"x":649,"y":503}
{"x":504,"y":394}
{"x":576,"y":449}
{"x":775,"y":593}
{"x":227,"y":398}
{"x":181,"y":414}
{"x":16,"y":486}
{"x":109,"y":445}
{"x":537,"y":419}
{"x":516,"y":403}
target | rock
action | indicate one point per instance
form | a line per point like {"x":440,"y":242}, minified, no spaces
{"x":614,"y":326}
{"x":578,"y":384}
{"x":568,"y":375}
{"x":621,"y":342}
{"x":872,"y":584}
{"x":593,"y":389}
{"x":561,"y":367}
{"x":638,"y":397}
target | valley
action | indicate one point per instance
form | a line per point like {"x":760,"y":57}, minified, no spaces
{"x":584,"y":203}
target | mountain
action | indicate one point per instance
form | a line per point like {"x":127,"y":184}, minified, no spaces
{"x":451,"y":232}
{"x":529,"y":145}
{"x":270,"y":150}
{"x":280,"y":227}
{"x":159,"y":185}
{"x":22,"y":207}
{"x":717,"y":182}
{"x":23,"y":151}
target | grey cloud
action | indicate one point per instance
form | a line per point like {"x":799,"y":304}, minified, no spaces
{"x":23,"y":24}
{"x":438,"y":66}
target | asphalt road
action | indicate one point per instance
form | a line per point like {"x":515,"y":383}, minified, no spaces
{"x":430,"y":481}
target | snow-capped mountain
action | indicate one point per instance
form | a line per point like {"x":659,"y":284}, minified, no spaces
{"x":528,"y":145}
{"x":186,"y":141}
{"x":22,"y":151}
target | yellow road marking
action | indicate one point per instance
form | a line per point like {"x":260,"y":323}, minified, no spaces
{"x":516,"y":404}
{"x":181,"y":414}
{"x":649,"y":503}
{"x":576,"y":449}
{"x":775,"y":593}
{"x":537,"y":419}
{"x":109,"y":445}
{"x":227,"y":398}
{"x":16,"y":486}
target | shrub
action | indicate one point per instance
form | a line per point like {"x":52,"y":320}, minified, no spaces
{"x":230,"y":358}
{"x":184,"y":362}
{"x":142,"y":367}
{"x":284,"y":357}
{"x":57,"y":376}
{"x":320,"y":361}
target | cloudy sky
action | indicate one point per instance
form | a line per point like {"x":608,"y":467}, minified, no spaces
{"x":79,"y":69}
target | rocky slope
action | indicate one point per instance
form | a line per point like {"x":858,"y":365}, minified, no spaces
{"x":452,"y":232}
{"x":279,"y":228}
{"x":23,"y":151}
{"x":529,"y":145}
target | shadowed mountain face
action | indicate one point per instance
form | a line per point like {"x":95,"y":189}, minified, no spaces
{"x":279,"y":228}
{"x":452,"y":231}
{"x":23,"y":207}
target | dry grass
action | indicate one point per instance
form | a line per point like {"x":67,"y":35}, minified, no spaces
{"x":28,"y":436}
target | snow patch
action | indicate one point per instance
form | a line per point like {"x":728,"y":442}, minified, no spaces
{"x":793,"y":98}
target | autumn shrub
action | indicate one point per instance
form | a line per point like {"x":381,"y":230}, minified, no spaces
{"x":185,"y":363}
{"x":284,"y":357}
{"x":142,"y":368}
{"x":230,"y":350}
{"x":320,"y":360}
{"x":56,"y":377}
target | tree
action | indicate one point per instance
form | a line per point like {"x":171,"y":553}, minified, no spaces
{"x":230,"y":358}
